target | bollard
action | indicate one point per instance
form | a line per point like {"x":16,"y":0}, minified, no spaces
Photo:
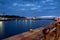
{"x":46,"y":34}
{"x":30,"y":30}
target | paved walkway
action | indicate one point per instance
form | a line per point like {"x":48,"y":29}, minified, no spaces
{"x":35,"y":35}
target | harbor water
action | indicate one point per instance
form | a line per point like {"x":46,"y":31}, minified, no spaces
{"x":13,"y":27}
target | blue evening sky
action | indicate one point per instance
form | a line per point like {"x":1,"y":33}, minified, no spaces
{"x":30,"y":7}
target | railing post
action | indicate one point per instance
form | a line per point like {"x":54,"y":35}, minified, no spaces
{"x":56,"y":31}
{"x":46,"y":34}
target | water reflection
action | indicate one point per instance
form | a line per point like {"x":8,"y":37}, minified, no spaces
{"x":1,"y":29}
{"x":26,"y":22}
{"x":30,"y":24}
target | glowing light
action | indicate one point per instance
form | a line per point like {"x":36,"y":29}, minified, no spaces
{"x":1,"y":27}
{"x":26,"y":22}
{"x":30,"y":22}
{"x":1,"y":23}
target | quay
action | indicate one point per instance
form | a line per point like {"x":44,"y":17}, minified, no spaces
{"x":49,"y":32}
{"x":36,"y":34}
{"x":27,"y":35}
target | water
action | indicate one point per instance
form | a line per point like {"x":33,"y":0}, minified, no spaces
{"x":14,"y":27}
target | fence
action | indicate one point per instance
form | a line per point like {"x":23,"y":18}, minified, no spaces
{"x":53,"y":33}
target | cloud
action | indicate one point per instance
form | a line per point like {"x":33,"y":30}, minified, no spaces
{"x":26,"y":9}
{"x":23,"y":9}
{"x":53,"y":7}
{"x":49,"y":0}
{"x":38,"y":6}
{"x":47,"y":16}
{"x":15,"y":4}
{"x":43,"y":1}
{"x":29,"y":5}
{"x":26,"y":4}
{"x":34,"y":8}
{"x":51,"y":3}
{"x":49,"y":7}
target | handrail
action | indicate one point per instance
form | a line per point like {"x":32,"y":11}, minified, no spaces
{"x":52,"y":30}
{"x":47,"y":32}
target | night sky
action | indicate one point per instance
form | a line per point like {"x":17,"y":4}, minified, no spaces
{"x":30,"y":7}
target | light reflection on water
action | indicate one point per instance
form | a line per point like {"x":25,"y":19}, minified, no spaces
{"x":19,"y":26}
{"x":1,"y":29}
